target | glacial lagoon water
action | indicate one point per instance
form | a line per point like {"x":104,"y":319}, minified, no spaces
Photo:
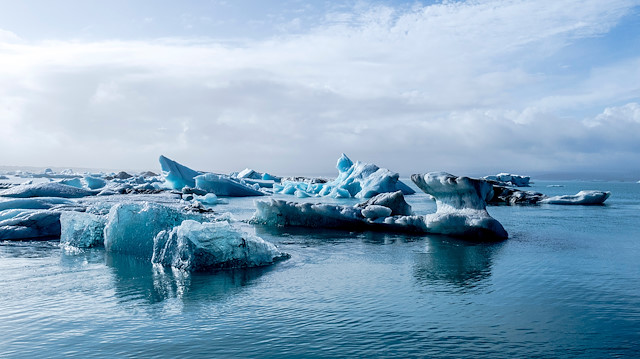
{"x":565,"y":284}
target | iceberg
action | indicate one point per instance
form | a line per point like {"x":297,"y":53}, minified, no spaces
{"x":195,"y":246}
{"x":581,"y":198}
{"x":34,"y":203}
{"x":461,"y":211}
{"x":177,"y":175}
{"x":131,"y":227}
{"x":461,"y":204}
{"x":124,"y":175}
{"x":208,"y":199}
{"x":95,"y":182}
{"x":48,"y":189}
{"x":249,"y":173}
{"x":375,"y":211}
{"x":19,"y":224}
{"x":75,"y":182}
{"x":359,"y":180}
{"x":222,"y":185}
{"x":509,"y":179}
{"x":82,"y":230}
{"x":283,"y":213}
{"x":512,"y":196}
{"x":393,"y":200}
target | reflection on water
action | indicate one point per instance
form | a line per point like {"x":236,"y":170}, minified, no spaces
{"x":290,"y":235}
{"x":135,"y":279}
{"x":453,"y":265}
{"x":27,"y":249}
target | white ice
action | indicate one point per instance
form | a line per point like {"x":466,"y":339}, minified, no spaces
{"x":33,"y":203}
{"x":375,"y":211}
{"x":510,"y":179}
{"x":222,"y":185}
{"x":461,"y":211}
{"x":208,"y":199}
{"x":461,"y":204}
{"x":48,"y":189}
{"x":195,"y":246}
{"x":581,"y":198}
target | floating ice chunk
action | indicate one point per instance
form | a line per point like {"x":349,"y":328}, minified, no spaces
{"x":48,"y":189}
{"x":29,"y":224}
{"x":260,"y":183}
{"x":34,"y":203}
{"x":510,"y":179}
{"x":124,"y":175}
{"x":195,"y":246}
{"x":208,"y":199}
{"x":581,"y":198}
{"x":94,"y":182}
{"x":512,"y":196}
{"x":374,"y":211}
{"x":177,"y":175}
{"x":249,"y":173}
{"x":461,"y":206}
{"x":394,"y":201}
{"x":82,"y":230}
{"x":283,"y":213}
{"x":360,"y":180}
{"x":301,"y":194}
{"x":75,"y":182}
{"x":222,"y":185}
{"x":269,"y":177}
{"x":146,"y":174}
{"x":461,"y":211}
{"x":130,"y":227}
{"x":3,"y":177}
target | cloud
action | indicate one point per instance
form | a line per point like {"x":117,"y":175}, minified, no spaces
{"x":453,"y":86}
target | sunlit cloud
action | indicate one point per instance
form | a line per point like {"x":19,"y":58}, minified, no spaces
{"x":454,"y":86}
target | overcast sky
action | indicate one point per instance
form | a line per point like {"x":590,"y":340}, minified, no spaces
{"x":287,"y":86}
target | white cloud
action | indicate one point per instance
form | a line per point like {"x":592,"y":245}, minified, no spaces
{"x":448,"y":86}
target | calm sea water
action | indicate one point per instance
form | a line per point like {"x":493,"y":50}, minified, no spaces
{"x":565,"y":284}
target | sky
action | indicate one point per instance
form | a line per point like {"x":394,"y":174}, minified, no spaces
{"x":286,"y":87}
